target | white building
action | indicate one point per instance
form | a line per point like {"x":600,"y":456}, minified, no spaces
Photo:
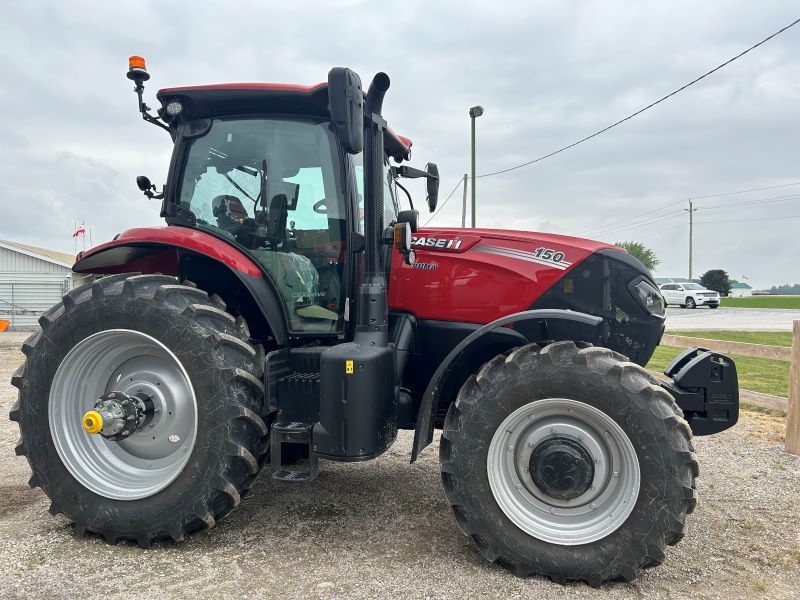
{"x":740,"y":290}
{"x":32,"y":280}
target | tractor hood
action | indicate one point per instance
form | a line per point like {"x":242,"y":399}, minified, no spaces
{"x":470,"y":237}
{"x":480,"y":275}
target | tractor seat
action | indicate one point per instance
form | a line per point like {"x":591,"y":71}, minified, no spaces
{"x":299,"y":288}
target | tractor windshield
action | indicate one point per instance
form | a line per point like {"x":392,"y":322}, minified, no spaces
{"x":271,"y":186}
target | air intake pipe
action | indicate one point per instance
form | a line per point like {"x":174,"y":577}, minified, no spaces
{"x":358,"y":392}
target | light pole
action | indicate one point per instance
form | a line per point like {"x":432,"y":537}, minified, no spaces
{"x":690,"y":210}
{"x":474,"y":113}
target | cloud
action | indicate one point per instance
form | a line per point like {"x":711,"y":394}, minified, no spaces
{"x":546,"y":73}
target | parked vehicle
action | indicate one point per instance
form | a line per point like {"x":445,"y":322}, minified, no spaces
{"x":290,"y":312}
{"x":689,"y":295}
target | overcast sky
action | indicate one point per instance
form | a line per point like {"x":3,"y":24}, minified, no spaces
{"x":547,"y":73}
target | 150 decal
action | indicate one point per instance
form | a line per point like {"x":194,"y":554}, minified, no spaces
{"x":549,"y":254}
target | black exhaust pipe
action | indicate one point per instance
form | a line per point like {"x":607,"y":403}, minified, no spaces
{"x":374,"y":125}
{"x":372,"y":311}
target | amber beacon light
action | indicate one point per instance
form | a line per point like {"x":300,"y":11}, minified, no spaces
{"x":137,"y":69}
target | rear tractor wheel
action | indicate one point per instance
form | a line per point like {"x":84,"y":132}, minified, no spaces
{"x":140,"y":407}
{"x":568,"y":462}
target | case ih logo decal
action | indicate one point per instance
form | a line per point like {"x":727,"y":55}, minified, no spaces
{"x":438,"y":243}
{"x":541,"y":256}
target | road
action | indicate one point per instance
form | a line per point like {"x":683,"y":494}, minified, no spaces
{"x":742,"y":319}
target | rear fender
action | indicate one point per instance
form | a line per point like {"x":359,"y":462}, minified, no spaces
{"x":423,"y":433}
{"x":213,"y":264}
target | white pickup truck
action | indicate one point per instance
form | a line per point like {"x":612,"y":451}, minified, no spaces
{"x":689,"y":295}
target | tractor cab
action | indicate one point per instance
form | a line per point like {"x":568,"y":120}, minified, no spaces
{"x":261,"y":166}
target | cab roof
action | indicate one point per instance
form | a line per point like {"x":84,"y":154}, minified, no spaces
{"x":208,"y":101}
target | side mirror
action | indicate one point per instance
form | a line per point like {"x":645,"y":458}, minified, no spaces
{"x":143,"y":182}
{"x":346,"y":104}
{"x":409,"y":216}
{"x":433,"y":185}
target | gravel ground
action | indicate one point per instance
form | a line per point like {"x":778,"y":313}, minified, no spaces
{"x":741,"y":319}
{"x":382,"y":530}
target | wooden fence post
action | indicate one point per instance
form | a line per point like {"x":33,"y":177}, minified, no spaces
{"x":793,"y":412}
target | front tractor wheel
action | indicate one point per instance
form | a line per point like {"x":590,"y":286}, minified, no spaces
{"x":570,"y":463}
{"x":140,"y":406}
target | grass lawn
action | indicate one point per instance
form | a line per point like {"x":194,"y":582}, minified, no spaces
{"x":756,"y":374}
{"x":770,"y":338}
{"x":762,"y":302}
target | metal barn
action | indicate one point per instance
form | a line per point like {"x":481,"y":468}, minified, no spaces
{"x":31,"y":281}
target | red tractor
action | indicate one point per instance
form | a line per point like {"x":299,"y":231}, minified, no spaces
{"x":289,"y":311}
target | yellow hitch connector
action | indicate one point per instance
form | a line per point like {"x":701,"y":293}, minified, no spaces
{"x":92,"y":422}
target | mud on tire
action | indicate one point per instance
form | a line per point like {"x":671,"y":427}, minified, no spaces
{"x":224,"y":368}
{"x":625,"y":392}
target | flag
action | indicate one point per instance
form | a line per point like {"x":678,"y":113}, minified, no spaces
{"x":79,"y":231}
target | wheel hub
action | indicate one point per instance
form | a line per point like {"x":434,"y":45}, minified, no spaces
{"x":117,"y":415}
{"x":561,"y":468}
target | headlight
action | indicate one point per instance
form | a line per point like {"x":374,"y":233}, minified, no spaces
{"x":650,"y":298}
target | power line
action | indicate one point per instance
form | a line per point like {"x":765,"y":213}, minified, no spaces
{"x":772,"y":187}
{"x":659,"y":232}
{"x":602,"y":229}
{"x":450,"y":195}
{"x":595,"y":230}
{"x":649,"y":106}
{"x":673,"y":214}
{"x":658,"y":219}
{"x":749,"y":220}
{"x":751,"y":202}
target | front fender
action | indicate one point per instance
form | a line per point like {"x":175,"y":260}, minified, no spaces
{"x":423,"y":433}
{"x":161,"y":249}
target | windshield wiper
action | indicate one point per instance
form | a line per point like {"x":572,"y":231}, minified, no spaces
{"x":262,"y":195}
{"x":238,"y":187}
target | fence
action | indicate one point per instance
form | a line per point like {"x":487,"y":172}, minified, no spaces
{"x":790,"y":355}
{"x":22,"y":302}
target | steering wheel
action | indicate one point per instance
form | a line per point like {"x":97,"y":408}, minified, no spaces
{"x":321,"y":207}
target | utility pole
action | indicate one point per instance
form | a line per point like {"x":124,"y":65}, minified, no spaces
{"x":464,"y":205}
{"x":690,"y":210}
{"x":474,"y":113}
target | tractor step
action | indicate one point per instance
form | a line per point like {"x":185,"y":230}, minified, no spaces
{"x":293,"y":387}
{"x":292,"y":459}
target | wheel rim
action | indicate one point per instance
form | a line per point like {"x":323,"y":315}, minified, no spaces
{"x":592,"y":511}
{"x":148,"y":460}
